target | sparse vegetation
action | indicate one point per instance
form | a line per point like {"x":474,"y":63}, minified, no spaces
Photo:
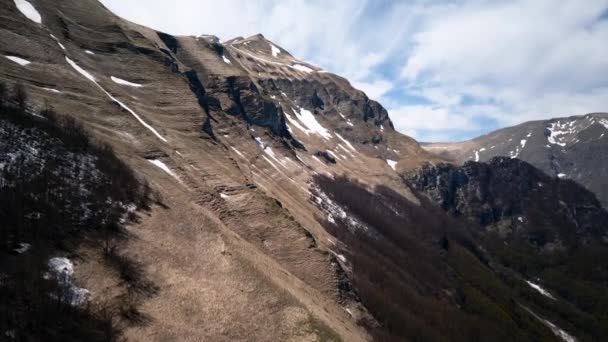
{"x":418,"y":272}
{"x":58,"y":189}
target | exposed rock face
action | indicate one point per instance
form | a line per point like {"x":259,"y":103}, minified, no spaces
{"x":575,"y":147}
{"x":514,"y":197}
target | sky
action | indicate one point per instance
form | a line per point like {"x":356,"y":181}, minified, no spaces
{"x":446,"y":70}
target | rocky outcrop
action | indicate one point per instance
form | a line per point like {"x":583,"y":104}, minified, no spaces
{"x":515,"y":198}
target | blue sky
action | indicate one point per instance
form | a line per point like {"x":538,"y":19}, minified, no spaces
{"x":445,"y":70}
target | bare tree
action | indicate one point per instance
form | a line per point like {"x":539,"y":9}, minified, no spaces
{"x":20,"y":96}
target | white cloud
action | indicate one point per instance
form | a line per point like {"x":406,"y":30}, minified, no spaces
{"x":375,"y":89}
{"x":522,"y":60}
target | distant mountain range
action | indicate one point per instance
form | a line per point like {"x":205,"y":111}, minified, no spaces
{"x":574,"y":147}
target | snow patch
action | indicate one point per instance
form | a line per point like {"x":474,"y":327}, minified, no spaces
{"x":303,"y":68}
{"x":275,"y":50}
{"x":164,"y":167}
{"x":392,"y":164}
{"x":561,"y":175}
{"x":341,"y":257}
{"x":81,"y":71}
{"x":309,"y":120}
{"x":523,"y":143}
{"x":346,"y":142}
{"x":89,"y":52}
{"x":333,"y":154}
{"x":62,"y":270}
{"x":296,"y":123}
{"x":125,"y":82}
{"x":259,"y":141}
{"x":29,"y":11}
{"x":224,"y":196}
{"x":22,"y":248}
{"x":58,"y":42}
{"x":559,"y":332}
{"x":348,"y":122}
{"x":52,"y":90}
{"x":18,"y":60}
{"x":476,"y":155}
{"x":226,"y":60}
{"x":561,"y":132}
{"x":238,"y":152}
{"x":336,"y":211}
{"x":92,"y":79}
{"x":540,"y":289}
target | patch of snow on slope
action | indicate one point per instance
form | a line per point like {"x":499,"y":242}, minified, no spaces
{"x":259,"y":141}
{"x":19,"y":60}
{"x":89,"y":52}
{"x":125,"y":82}
{"x":331,"y":153}
{"x":81,"y":71}
{"x":226,"y":60}
{"x":476,"y":155}
{"x":268,"y":150}
{"x":564,"y":336}
{"x":29,"y":11}
{"x":224,"y":196}
{"x":92,"y":79}
{"x":523,"y":143}
{"x":335,"y":211}
{"x":62,"y":270}
{"x":296,"y":123}
{"x":303,"y":68}
{"x":561,"y":175}
{"x":163,"y":167}
{"x":52,"y":90}
{"x":238,"y":152}
{"x":61,"y":266}
{"x":347,"y":119}
{"x":341,"y":257}
{"x":275,"y":50}
{"x":540,"y":289}
{"x":346,"y":142}
{"x":309,"y":120}
{"x":604,"y":123}
{"x":392,"y":164}
{"x":346,"y":150}
{"x":559,"y":132}
{"x":58,"y":42}
{"x":559,"y":332}
{"x":23,"y":247}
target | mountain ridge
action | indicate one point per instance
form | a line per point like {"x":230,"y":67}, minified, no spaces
{"x":570,"y":147}
{"x":281,"y":186}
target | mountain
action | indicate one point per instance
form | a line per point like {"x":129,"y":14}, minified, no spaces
{"x":250,"y":195}
{"x":575,"y":148}
{"x":550,"y":231}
